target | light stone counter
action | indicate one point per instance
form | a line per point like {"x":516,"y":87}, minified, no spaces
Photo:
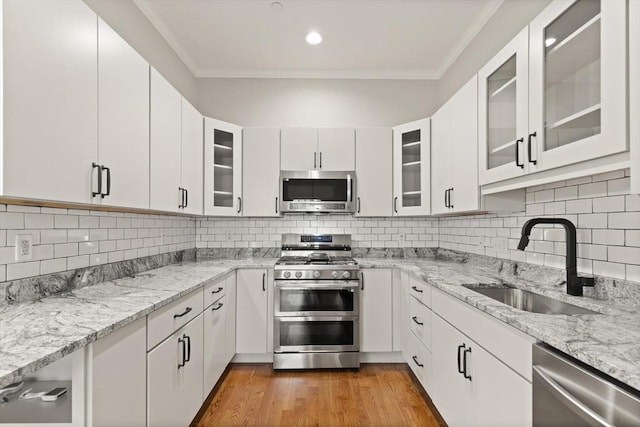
{"x":34,"y":334}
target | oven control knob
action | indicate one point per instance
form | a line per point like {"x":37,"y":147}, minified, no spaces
{"x":316,"y":274}
{"x":287,"y":274}
{"x":346,"y":275}
{"x":335,"y":274}
{"x":298,"y":274}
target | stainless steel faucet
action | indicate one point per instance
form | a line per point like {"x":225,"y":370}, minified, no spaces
{"x":575,"y":283}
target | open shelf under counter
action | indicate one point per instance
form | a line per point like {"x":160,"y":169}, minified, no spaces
{"x":37,"y":411}
{"x":577,"y":51}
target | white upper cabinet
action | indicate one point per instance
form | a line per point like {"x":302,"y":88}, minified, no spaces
{"x":411,"y":168}
{"x":50,"y":100}
{"x":578,"y":89}
{"x":454,"y":149}
{"x":165,"y":149}
{"x":336,"y":149}
{"x":261,"y":171}
{"x":374,"y":172}
{"x":503,"y":109}
{"x":569,"y":106}
{"x":634,"y":92}
{"x":222,"y":168}
{"x":192,"y":159}
{"x":319,"y":149}
{"x":123,"y":115}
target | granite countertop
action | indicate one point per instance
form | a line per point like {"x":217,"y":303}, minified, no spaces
{"x":37,"y":333}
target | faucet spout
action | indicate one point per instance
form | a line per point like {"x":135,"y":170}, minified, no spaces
{"x":574,"y":282}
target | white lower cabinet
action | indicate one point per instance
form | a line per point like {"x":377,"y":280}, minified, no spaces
{"x":420,"y":361}
{"x":251,"y":315}
{"x":470,"y":385}
{"x":125,"y":349}
{"x":215,"y":342}
{"x":375,"y":310}
{"x":174,"y":377}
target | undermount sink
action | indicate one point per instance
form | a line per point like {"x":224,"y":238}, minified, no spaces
{"x":529,"y":301}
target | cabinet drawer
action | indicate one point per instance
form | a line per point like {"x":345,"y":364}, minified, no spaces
{"x":420,"y":361}
{"x":163,"y":322}
{"x":420,"y":290}
{"x":509,"y":345}
{"x":420,"y":321}
{"x":214,"y":291}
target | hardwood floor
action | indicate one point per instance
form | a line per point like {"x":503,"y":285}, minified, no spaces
{"x":376,"y":395}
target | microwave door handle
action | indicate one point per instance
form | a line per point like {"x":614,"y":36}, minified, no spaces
{"x":349,"y":187}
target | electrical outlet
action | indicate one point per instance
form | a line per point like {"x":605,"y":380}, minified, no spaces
{"x":401,"y":237}
{"x":24,"y":247}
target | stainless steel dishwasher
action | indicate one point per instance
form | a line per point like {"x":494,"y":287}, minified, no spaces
{"x":566,"y":393}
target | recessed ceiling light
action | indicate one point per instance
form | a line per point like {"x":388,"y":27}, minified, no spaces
{"x":314,"y":37}
{"x":276,"y":6}
{"x":550,"y":41}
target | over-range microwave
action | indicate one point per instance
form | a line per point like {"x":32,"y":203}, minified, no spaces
{"x":317,"y":191}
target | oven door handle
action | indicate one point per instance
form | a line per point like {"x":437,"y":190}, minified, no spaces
{"x":311,"y":287}
{"x":323,"y":286}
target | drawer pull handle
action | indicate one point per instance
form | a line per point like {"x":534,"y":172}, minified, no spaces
{"x":415,"y":360}
{"x":217,"y":290}
{"x":218,"y":307}
{"x":415,"y":319}
{"x":187,"y":311}
{"x":415,"y":288}
{"x":460,"y":347}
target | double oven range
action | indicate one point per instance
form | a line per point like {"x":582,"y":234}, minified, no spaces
{"x":316,"y":303}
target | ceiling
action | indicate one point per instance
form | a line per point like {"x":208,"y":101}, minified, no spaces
{"x":366,"y":39}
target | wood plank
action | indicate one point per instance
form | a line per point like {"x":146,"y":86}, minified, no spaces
{"x":376,"y":395}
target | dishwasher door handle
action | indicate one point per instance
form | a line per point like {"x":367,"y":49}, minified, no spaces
{"x":572,"y":402}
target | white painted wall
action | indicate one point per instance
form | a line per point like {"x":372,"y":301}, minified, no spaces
{"x":128,"y":21}
{"x":509,"y":20}
{"x":317,"y":102}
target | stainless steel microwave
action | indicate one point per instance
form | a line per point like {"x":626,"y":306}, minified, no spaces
{"x":317,"y":191}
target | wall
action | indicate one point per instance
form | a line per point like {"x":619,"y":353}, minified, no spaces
{"x":317,"y":102}
{"x":126,"y":19}
{"x":510,"y":18}
{"x":607,"y":217}
{"x":68,"y":239}
{"x":365,"y":232}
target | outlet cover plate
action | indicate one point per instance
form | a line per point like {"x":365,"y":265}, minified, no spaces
{"x":24,"y":247}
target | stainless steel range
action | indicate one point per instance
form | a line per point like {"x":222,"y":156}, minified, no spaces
{"x":316,"y":303}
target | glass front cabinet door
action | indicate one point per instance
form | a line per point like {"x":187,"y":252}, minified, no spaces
{"x":578,"y":83}
{"x":222,"y":168}
{"x":411,"y":168}
{"x":503,"y":107}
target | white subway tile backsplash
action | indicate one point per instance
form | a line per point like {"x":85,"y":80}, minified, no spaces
{"x":609,"y":269}
{"x":53,"y":265}
{"x":579,"y":206}
{"x":595,"y":189}
{"x":609,"y":204}
{"x":11,"y":220}
{"x":53,"y":236}
{"x":66,"y":221}
{"x":65,"y":249}
{"x":624,"y":254}
{"x":608,"y":237}
{"x":32,"y":220}
{"x":22,"y":270}
{"x":592,"y":221}
{"x":626,"y":220}
{"x":76,"y":262}
{"x":618,"y":186}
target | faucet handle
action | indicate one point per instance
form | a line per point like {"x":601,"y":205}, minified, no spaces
{"x":586,"y":281}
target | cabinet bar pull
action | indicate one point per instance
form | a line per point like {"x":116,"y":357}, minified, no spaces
{"x":314,"y":160}
{"x":415,"y":288}
{"x":518,"y":141}
{"x":450,"y":193}
{"x":460,"y":347}
{"x":464,"y":363}
{"x":321,"y":160}
{"x":217,"y":290}
{"x":446,"y":193}
{"x":181,"y":205}
{"x":102,"y":195}
{"x":186,"y":197}
{"x":415,"y":360}
{"x":184,"y":352}
{"x":276,"y":205}
{"x":239,"y":204}
{"x":358,"y":204}
{"x":395,"y":204}
{"x":415,"y":319}
{"x":188,"y":339}
{"x":264,"y":285}
{"x":218,"y":307}
{"x":531,"y":135}
{"x":188,"y":310}
{"x":99,"y":192}
{"x":361,"y":281}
